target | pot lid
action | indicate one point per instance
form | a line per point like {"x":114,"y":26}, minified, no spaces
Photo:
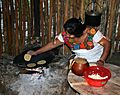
{"x":93,"y":13}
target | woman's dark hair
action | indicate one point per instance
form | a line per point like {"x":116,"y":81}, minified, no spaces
{"x":74,"y":27}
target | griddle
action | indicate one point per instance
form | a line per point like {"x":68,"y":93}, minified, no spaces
{"x":47,"y":56}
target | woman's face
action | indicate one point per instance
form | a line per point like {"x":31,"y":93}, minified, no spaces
{"x":73,"y":36}
{"x":70,"y":35}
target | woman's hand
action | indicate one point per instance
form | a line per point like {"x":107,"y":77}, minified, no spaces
{"x":100,"y":63}
{"x":28,"y":55}
{"x":31,"y":52}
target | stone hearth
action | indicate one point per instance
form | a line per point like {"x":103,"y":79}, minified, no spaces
{"x":52,"y":82}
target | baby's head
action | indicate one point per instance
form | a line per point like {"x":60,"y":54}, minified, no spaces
{"x":74,"y":27}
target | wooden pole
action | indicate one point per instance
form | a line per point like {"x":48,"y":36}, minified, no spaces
{"x":78,"y":7}
{"x":50,"y":20}
{"x":75,"y":8}
{"x":24,"y":22}
{"x":66,"y":10}
{"x":1,"y":44}
{"x":66,"y":49}
{"x":42,"y":22}
{"x":12,"y":34}
{"x":5,"y":45}
{"x":9,"y":40}
{"x":71,"y":8}
{"x":111,"y":18}
{"x":82,"y":10}
{"x":58,"y":17}
{"x":37,"y":17}
{"x":117,"y":38}
{"x":28,"y":20}
{"x":54,"y":5}
{"x":16,"y":32}
{"x":32,"y":16}
{"x":46,"y":21}
{"x":20,"y":24}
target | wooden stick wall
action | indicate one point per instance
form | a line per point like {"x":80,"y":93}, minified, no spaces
{"x":1,"y":45}
{"x":17,"y":28}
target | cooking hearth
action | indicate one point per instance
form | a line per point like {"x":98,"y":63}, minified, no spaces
{"x":50,"y":80}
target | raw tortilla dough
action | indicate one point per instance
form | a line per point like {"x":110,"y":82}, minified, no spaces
{"x":27,"y":57}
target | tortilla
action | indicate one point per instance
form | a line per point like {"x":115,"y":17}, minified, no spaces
{"x":31,"y":65}
{"x":27,"y":57}
{"x":41,"y":62}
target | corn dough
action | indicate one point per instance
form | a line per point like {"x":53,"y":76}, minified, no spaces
{"x":80,"y":60}
{"x":27,"y":57}
{"x":97,"y":76}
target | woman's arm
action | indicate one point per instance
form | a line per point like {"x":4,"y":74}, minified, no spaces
{"x":47,"y":47}
{"x":106,"y":50}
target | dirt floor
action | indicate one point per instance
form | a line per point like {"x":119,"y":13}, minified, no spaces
{"x":52,"y":82}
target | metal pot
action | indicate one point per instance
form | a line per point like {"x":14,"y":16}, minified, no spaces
{"x":92,"y":19}
{"x":93,"y":14}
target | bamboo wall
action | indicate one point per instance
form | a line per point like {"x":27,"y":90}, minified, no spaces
{"x":18,"y":26}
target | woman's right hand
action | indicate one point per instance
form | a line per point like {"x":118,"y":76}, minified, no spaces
{"x":28,"y":55}
{"x":31,"y":52}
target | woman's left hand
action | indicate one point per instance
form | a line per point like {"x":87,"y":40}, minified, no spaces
{"x":100,"y":63}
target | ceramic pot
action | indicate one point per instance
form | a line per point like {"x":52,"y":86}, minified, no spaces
{"x":79,"y":65}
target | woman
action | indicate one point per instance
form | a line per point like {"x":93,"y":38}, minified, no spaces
{"x":84,"y":41}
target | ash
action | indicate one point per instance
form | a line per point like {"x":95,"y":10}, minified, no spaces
{"x":40,"y":84}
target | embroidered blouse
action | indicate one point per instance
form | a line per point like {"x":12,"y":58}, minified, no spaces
{"x":87,"y":44}
{"x":92,"y":52}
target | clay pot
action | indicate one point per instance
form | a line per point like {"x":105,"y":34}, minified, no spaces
{"x":79,"y":65}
